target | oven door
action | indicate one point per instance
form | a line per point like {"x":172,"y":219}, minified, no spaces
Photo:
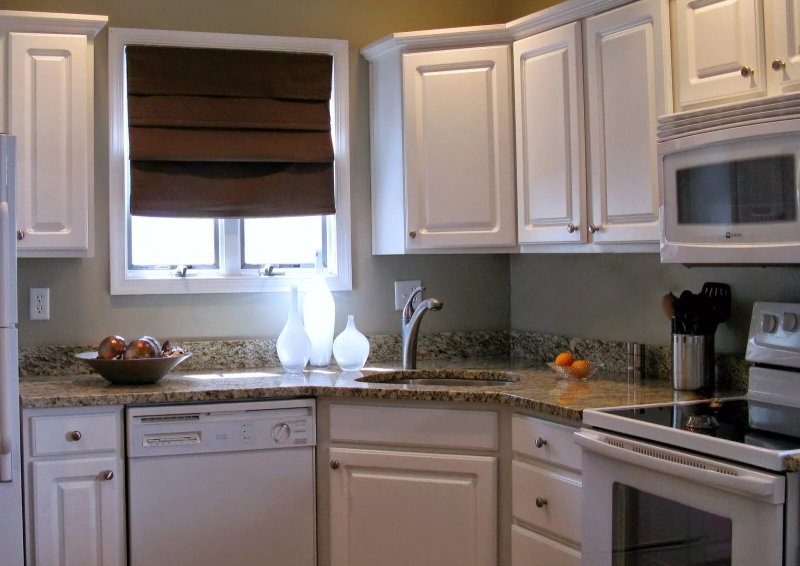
{"x":645,"y":504}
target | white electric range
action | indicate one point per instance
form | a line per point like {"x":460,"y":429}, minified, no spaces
{"x":702,"y":482}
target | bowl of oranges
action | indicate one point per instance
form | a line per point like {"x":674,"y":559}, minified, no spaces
{"x":566,"y":365}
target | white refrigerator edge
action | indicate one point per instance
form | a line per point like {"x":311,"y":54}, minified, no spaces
{"x":11,"y":538}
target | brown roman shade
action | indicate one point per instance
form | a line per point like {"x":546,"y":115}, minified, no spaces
{"x":227,"y":133}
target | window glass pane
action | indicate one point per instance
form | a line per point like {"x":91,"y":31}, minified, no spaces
{"x":292,"y":240}
{"x":173,"y":241}
{"x":649,"y":529}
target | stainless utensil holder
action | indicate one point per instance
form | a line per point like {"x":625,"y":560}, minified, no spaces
{"x":692,"y":362}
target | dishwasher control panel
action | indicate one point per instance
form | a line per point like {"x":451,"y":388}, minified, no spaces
{"x":220,"y":427}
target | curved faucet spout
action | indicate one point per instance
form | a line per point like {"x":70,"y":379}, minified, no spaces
{"x":412,"y":317}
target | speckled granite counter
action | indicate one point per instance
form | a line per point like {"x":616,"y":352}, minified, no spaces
{"x":534,"y":388}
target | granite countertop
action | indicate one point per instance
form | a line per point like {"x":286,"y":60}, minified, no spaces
{"x":535,"y":387}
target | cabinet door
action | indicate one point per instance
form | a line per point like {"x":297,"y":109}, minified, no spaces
{"x":458,"y":148}
{"x":548,"y":96}
{"x":403,"y":509}
{"x":49,"y":113}
{"x":627,"y":71}
{"x":719,"y":49}
{"x":782,"y":30}
{"x":77,"y":512}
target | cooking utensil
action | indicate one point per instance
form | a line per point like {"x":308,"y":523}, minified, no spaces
{"x":668,"y":305}
{"x":719,"y":296}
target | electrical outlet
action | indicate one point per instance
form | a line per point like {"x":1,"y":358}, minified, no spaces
{"x":402,"y":289}
{"x":40,"y":304}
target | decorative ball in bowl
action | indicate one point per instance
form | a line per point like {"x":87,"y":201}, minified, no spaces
{"x":579,"y":369}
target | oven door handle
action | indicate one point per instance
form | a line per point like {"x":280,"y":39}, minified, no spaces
{"x":683,"y":465}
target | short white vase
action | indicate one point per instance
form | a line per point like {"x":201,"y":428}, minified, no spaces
{"x":351,"y":348}
{"x":293,"y":346}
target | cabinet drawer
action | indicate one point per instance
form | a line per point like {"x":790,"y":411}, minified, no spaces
{"x":411,"y":426}
{"x":71,"y":434}
{"x":545,"y":441}
{"x":558,"y":494}
{"x":532,"y":549}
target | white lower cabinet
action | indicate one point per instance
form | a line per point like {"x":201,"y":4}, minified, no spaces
{"x":74,"y":486}
{"x":545,"y":492}
{"x":404,"y":508}
{"x":408,"y":500}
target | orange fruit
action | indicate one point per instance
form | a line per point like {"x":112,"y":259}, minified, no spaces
{"x":563,"y":359}
{"x":580,"y":368}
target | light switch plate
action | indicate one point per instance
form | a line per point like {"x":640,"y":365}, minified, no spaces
{"x":402,"y":289}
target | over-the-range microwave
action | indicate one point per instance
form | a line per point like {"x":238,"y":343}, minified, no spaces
{"x":729,"y":183}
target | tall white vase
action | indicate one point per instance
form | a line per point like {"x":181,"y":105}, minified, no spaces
{"x":294,"y":347}
{"x":351,"y":348}
{"x":319,"y":316}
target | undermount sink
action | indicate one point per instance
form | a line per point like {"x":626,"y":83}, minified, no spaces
{"x":450,"y":378}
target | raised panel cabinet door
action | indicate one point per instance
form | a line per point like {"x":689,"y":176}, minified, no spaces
{"x":406,"y":509}
{"x":78,"y":512}
{"x":458,"y":148}
{"x":548,"y":98}
{"x":628,"y":87}
{"x":49,"y":114}
{"x":719,"y":51}
{"x":782,"y":30}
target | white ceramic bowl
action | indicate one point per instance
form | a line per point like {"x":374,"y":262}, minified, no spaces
{"x":132,"y":372}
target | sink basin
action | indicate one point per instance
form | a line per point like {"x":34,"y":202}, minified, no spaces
{"x":450,"y":378}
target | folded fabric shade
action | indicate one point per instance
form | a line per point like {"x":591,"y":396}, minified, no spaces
{"x":228,"y":133}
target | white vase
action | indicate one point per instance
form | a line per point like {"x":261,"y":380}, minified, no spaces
{"x":293,"y":345}
{"x":351,"y":348}
{"x":319,"y":316}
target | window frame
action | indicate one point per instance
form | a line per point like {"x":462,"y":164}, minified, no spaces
{"x":229,"y":278}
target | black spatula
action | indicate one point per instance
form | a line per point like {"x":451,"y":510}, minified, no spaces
{"x":719,"y":295}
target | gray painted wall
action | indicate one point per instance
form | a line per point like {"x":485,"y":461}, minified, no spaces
{"x":618,"y":296}
{"x":475,"y":289}
{"x":613,"y":297}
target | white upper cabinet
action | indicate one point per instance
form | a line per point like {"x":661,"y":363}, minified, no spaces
{"x":49,"y":82}
{"x":548,"y":99}
{"x":442,"y":150}
{"x":628,"y":87}
{"x":609,"y":195}
{"x":731,"y":50}
{"x":782,"y":24}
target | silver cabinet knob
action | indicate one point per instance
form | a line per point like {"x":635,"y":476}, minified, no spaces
{"x":539,"y":442}
{"x":20,"y":235}
{"x":594,"y":228}
{"x":107,"y":475}
{"x":747,"y":72}
{"x":571,"y":228}
{"x":412,"y":234}
{"x":541,"y":502}
{"x":335,"y":464}
{"x":74,"y":435}
{"x":778,"y":65}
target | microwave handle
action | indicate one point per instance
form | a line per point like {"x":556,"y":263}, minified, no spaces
{"x":680,"y":464}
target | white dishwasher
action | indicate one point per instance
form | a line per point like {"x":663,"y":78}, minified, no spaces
{"x":222,"y":483}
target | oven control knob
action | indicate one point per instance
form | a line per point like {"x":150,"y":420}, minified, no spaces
{"x":789,"y":323}
{"x":281,"y":432}
{"x":769,"y":323}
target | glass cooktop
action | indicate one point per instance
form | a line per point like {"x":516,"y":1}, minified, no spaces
{"x":756,"y":423}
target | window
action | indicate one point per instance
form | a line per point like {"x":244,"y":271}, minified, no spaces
{"x":224,"y":255}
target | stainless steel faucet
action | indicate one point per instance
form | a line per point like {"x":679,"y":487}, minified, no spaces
{"x":411,"y":320}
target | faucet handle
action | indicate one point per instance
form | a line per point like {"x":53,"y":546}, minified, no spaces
{"x":408,"y":309}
